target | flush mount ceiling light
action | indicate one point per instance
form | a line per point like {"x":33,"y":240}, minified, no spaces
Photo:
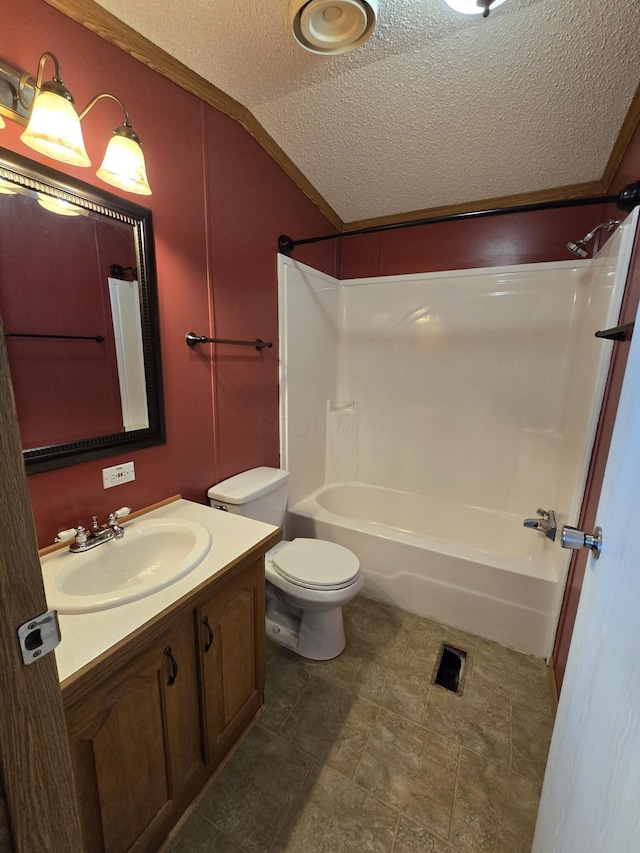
{"x":332,"y":26}
{"x":474,"y":7}
{"x":53,"y":126}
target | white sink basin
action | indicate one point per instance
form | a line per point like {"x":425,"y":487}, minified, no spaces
{"x":153,"y":554}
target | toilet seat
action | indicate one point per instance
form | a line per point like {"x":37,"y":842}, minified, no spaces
{"x":316,"y":564}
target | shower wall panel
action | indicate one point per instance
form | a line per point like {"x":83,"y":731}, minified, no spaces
{"x":308,"y":306}
{"x":461,"y":380}
{"x":598,"y":301}
{"x":479,"y":387}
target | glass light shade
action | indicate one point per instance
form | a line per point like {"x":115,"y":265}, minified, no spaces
{"x":470,"y":7}
{"x":123,"y":165}
{"x":54,"y":130}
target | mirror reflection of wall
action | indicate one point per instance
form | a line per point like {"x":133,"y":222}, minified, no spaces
{"x":54,"y":280}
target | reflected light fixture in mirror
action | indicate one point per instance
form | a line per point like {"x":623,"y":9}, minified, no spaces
{"x":53,"y":126}
{"x":58,"y":205}
{"x":474,"y":7}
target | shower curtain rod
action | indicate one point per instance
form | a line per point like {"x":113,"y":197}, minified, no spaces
{"x":625,"y":200}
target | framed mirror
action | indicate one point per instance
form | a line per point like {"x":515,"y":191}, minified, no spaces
{"x":78,"y":302}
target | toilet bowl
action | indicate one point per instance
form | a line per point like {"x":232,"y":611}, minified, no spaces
{"x":308,"y":581}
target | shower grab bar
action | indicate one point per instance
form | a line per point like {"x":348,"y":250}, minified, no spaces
{"x":618,"y":333}
{"x":97,"y":338}
{"x":191,"y":339}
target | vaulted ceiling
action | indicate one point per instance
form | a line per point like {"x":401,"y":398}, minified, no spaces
{"x":436,"y":109}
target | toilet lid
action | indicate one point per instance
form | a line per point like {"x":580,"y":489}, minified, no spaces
{"x":316,"y":564}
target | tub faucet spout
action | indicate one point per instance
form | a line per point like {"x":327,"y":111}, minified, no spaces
{"x":546,"y":523}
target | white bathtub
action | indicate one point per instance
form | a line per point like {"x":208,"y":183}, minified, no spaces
{"x":472,"y":568}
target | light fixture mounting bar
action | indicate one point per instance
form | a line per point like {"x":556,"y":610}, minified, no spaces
{"x":10,"y":105}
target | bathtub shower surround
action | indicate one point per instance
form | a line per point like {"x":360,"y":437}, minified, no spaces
{"x":423,"y":417}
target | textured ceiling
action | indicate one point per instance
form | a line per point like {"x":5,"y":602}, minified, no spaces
{"x":436,"y":108}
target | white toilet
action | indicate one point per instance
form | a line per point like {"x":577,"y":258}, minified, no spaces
{"x":308,"y":580}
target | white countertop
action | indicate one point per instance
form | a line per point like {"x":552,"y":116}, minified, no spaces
{"x":87,"y":635}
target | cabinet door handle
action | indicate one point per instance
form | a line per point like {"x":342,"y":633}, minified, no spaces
{"x":209,"y":643}
{"x":174,"y":665}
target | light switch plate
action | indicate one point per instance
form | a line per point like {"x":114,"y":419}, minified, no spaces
{"x":118,"y":474}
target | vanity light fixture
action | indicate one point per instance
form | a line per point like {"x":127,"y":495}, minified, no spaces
{"x":474,"y":7}
{"x":53,"y":126}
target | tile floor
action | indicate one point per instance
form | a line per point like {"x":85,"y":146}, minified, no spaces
{"x":363,"y":753}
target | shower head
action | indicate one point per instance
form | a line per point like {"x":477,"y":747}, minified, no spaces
{"x":579,"y":248}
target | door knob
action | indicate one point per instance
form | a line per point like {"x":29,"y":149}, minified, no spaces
{"x":571,"y":537}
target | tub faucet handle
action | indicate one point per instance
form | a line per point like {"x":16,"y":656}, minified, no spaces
{"x":546,"y":523}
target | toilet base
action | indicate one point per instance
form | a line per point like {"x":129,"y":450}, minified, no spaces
{"x":317,"y":635}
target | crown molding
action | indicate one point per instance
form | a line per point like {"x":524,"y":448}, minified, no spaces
{"x":553,"y":194}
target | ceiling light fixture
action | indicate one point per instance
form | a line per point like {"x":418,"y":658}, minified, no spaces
{"x":332,"y":26}
{"x":53,"y":126}
{"x":474,"y":7}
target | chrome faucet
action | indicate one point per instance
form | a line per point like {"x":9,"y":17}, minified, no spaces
{"x":546,"y":523}
{"x":85,"y":540}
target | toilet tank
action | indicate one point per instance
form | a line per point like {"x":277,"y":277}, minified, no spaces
{"x":260,"y":493}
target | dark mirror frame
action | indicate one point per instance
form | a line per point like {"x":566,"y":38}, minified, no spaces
{"x":26,"y":173}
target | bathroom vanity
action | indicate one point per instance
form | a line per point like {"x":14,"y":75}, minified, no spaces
{"x":158,"y":691}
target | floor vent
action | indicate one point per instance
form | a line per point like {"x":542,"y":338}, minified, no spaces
{"x":450,"y":669}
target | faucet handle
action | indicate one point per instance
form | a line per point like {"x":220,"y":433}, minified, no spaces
{"x":79,"y":532}
{"x":65,"y":535}
{"x":119,"y":513}
{"x":543,"y":513}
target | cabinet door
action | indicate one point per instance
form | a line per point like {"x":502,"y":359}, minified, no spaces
{"x":135,"y":747}
{"x":182,"y":699}
{"x":233,"y":659}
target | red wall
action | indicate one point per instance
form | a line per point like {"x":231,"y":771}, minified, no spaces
{"x":219,"y":203}
{"x":516,"y":238}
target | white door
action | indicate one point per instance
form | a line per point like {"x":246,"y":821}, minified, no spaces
{"x":591,"y":794}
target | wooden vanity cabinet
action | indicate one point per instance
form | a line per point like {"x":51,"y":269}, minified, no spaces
{"x":136,"y":744}
{"x":154,"y":723}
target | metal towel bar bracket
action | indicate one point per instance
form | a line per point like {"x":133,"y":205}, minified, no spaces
{"x":192,"y":339}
